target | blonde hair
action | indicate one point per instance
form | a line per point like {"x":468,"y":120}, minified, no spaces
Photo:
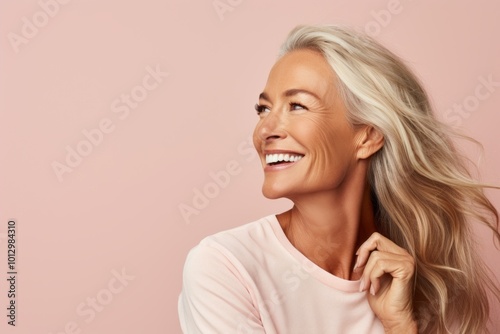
{"x":424,"y":196}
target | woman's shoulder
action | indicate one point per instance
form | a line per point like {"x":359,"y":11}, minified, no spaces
{"x":237,"y":246}
{"x":254,"y":232}
{"x":219,"y":286}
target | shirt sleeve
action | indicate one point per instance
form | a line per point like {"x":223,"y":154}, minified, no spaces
{"x":215,"y":297}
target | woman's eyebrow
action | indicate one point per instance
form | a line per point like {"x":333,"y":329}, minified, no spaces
{"x":290,"y":92}
{"x":263,"y":96}
{"x":295,"y":91}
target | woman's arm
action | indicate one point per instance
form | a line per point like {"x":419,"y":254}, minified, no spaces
{"x":215,"y":297}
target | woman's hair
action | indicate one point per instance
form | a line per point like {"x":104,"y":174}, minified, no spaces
{"x":424,"y":196}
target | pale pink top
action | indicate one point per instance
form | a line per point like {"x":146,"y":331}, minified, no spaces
{"x":251,"y":279}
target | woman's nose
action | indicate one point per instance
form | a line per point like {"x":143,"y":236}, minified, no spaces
{"x":272,"y":126}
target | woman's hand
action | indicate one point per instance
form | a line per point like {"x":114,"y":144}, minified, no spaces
{"x":388,"y":272}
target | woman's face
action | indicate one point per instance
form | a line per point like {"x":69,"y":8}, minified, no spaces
{"x":303,"y":138}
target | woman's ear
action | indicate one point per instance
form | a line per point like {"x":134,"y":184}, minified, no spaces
{"x":371,"y":140}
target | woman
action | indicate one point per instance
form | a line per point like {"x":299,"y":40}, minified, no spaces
{"x":378,"y":239}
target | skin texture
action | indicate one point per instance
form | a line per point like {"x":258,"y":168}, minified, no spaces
{"x":332,"y":220}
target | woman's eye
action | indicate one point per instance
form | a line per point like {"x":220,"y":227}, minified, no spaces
{"x":260,"y":108}
{"x":297,"y":106}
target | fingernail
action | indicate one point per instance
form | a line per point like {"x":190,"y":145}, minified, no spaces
{"x":356,"y":265}
{"x":372,"y":290}
{"x":361,"y":285}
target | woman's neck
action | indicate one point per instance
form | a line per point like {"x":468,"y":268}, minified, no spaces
{"x":328,"y":228}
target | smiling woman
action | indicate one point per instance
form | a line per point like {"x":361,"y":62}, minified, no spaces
{"x":302,"y":114}
{"x":378,"y":238}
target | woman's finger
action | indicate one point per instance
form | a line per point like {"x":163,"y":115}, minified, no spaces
{"x":399,"y":267}
{"x":387,"y":273}
{"x":376,"y":242}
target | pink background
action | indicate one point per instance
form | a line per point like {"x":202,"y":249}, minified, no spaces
{"x":119,"y":207}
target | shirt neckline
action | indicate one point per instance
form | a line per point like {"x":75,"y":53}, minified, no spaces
{"x":310,"y":267}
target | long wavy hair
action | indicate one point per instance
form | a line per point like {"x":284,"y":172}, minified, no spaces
{"x":425,"y":198}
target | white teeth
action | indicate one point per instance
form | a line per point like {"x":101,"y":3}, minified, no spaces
{"x":272,"y":158}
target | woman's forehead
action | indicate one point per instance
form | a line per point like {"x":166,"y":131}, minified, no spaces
{"x":301,"y":69}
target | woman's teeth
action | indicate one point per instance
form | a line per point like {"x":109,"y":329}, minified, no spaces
{"x":280,"y":157}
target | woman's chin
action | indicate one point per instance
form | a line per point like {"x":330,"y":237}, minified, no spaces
{"x":271,"y":193}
